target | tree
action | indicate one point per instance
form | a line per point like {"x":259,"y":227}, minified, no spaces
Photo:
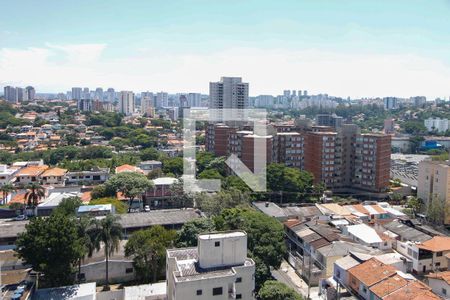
{"x":119,"y":206}
{"x":187,"y":236}
{"x":68,"y":206}
{"x":210,"y":174}
{"x":87,"y":247}
{"x":284,"y":179}
{"x":149,"y":154}
{"x":214,"y":204}
{"x":436,"y":210}
{"x":35,"y":192}
{"x":51,"y":246}
{"x":108,"y":232}
{"x":265,"y":237}
{"x":130,"y":184}
{"x":275,"y":290}
{"x":173,"y":165}
{"x":148,"y":250}
{"x":319,"y":188}
{"x":6,"y":190}
{"x":180,"y":198}
{"x":102,"y":191}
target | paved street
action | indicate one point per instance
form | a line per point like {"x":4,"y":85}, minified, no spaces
{"x":287,"y":275}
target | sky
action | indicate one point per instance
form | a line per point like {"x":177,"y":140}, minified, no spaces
{"x":369,"y":48}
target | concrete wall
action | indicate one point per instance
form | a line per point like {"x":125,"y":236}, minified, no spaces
{"x":117,"y":271}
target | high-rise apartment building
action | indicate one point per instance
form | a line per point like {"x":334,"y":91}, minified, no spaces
{"x":19,"y":94}
{"x":110,"y":95}
{"x":126,"y":102}
{"x":229,"y":92}
{"x":147,"y":102}
{"x":98,"y":95}
{"x":162,"y":100}
{"x":194,"y":99}
{"x":9,"y":92}
{"x":390,"y":103}
{"x":86,"y":93}
{"x":30,"y":93}
{"x":329,"y":120}
{"x":218,"y":268}
{"x":77,"y":93}
{"x":433,"y":183}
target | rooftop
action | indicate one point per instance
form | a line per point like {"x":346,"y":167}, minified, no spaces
{"x":445,"y":276}
{"x":31,"y":171}
{"x":158,"y":217}
{"x":164,"y":181}
{"x":436,"y":244}
{"x":221,"y":235}
{"x":54,"y":172}
{"x":81,"y":291}
{"x":414,"y":290}
{"x":365,"y":233}
{"x":406,"y":232}
{"x":372,"y":271}
{"x":388,"y":286}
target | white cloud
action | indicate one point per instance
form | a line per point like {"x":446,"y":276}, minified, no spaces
{"x":269,"y":71}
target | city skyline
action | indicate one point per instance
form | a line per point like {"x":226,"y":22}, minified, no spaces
{"x":375,"y":48}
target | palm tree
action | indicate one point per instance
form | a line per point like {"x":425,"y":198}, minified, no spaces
{"x":34,"y":194}
{"x":109,"y":232}
{"x":83,"y":225}
{"x":6,"y":190}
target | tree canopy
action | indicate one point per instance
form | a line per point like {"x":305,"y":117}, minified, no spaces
{"x":275,"y":290}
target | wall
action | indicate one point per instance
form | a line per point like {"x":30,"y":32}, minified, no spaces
{"x":117,"y":271}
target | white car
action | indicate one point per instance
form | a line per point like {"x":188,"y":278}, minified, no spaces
{"x":147,"y":208}
{"x":20,"y":218}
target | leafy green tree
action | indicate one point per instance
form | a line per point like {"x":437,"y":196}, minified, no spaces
{"x":173,"y":165}
{"x":214,"y":204}
{"x":149,"y":154}
{"x":210,"y":174}
{"x":436,"y":210}
{"x":68,"y":206}
{"x":119,"y":206}
{"x":319,"y":188}
{"x":108,"y":232}
{"x":51,"y":246}
{"x":291,"y":180}
{"x":102,"y":191}
{"x":187,"y":236}
{"x":265,"y":236}
{"x":275,"y":290}
{"x":180,"y":198}
{"x":6,"y":190}
{"x":130,"y":184}
{"x":148,"y":250}
{"x":84,"y":223}
{"x":35,"y":192}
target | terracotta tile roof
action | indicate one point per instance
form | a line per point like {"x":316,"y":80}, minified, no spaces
{"x":291,"y":223}
{"x":31,"y":171}
{"x":445,"y":276}
{"x":86,"y":197}
{"x":372,"y":271}
{"x":360,"y":208}
{"x":388,"y":286}
{"x":436,"y":244}
{"x":414,"y":290}
{"x":128,"y":168}
{"x":54,"y":172}
{"x":378,"y":209}
{"x":18,"y":198}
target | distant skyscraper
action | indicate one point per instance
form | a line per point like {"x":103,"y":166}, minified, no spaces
{"x":229,"y":92}
{"x":194,"y":99}
{"x":30,"y":93}
{"x":147,"y":102}
{"x":19,"y":94}
{"x":126,"y":102}
{"x":162,"y":100}
{"x":390,"y":103}
{"x":86,"y":93}
{"x":305,"y":93}
{"x":98,"y":94}
{"x":76,"y":93}
{"x":294,"y":93}
{"x":9,"y":93}
{"x":287,"y":93}
{"x":110,"y":95}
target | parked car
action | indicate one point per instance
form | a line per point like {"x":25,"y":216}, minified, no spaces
{"x":20,"y":218}
{"x":147,"y":208}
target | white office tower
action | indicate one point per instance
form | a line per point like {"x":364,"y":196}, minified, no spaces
{"x":218,"y":268}
{"x":194,"y":99}
{"x":10,"y":94}
{"x":110,"y":95}
{"x":126,"y":102}
{"x":76,"y":93}
{"x":19,"y":94}
{"x":162,"y":100}
{"x":146,"y":103}
{"x":229,"y":92}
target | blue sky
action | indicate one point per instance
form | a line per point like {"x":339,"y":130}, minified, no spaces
{"x":341,"y":47}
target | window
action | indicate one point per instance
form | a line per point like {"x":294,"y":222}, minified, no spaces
{"x":217,"y":291}
{"x":444,"y":291}
{"x":439,"y":253}
{"x":217,"y":244}
{"x":238,"y":296}
{"x":438,"y":264}
{"x":129,"y":270}
{"x":239,"y":279}
{"x":199,"y":292}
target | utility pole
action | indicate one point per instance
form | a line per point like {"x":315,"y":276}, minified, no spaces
{"x":309,"y":274}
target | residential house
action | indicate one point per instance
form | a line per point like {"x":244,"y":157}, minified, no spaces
{"x":149,"y":166}
{"x":128,"y":168}
{"x":30,"y":174}
{"x":54,"y":176}
{"x":160,"y":196}
{"x":366,"y":235}
{"x":440,"y":283}
{"x":218,"y":268}
{"x":94,"y":176}
{"x":7,"y":174}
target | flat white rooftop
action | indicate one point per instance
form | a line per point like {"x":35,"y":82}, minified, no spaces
{"x":221,"y":235}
